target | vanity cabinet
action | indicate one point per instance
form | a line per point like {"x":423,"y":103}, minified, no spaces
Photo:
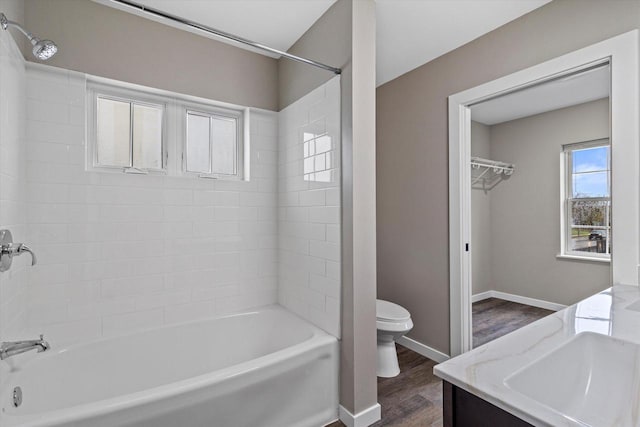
{"x":463,"y":409}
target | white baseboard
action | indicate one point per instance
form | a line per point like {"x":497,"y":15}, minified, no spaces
{"x":519,"y":299}
{"x":481,"y":296}
{"x":426,"y":351}
{"x":361,"y":419}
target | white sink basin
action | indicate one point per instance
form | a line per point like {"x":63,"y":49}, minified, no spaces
{"x":593,"y":379}
{"x":635,"y":306}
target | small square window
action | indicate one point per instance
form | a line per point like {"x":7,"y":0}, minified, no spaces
{"x":147,"y":137}
{"x":213,"y":144}
{"x":114,"y":133}
{"x":128,"y":134}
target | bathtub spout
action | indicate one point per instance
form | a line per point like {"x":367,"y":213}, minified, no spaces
{"x":8,"y":349}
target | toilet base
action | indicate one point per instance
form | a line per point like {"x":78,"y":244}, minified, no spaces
{"x":387,"y":359}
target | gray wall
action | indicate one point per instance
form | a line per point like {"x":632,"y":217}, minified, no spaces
{"x":14,"y":11}
{"x":345,"y":37}
{"x":525,"y":226}
{"x":328,"y":41}
{"x":412,"y":208}
{"x":480,"y":215}
{"x":359,"y":218}
{"x":103,"y":41}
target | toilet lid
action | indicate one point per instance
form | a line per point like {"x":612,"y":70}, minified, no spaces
{"x":389,"y":311}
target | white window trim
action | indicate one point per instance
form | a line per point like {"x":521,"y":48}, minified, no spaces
{"x":213,"y":110}
{"x":565,"y":190}
{"x":174,"y":127}
{"x":570,"y":257}
{"x":117,"y":93}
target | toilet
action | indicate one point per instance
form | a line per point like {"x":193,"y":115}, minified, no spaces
{"x":393,"y":322}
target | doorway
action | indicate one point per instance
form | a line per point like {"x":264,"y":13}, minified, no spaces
{"x":618,"y":53}
{"x":540,"y":201}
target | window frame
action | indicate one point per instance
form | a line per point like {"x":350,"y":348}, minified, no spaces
{"x":133,"y":97}
{"x":209,"y":110}
{"x":174,"y":127}
{"x":566,"y":192}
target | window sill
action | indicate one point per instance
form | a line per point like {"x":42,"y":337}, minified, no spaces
{"x":582,"y":258}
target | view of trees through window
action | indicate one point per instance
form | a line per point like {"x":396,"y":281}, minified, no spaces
{"x":589,"y":198}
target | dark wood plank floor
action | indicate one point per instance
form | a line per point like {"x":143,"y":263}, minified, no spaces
{"x":493,"y":318}
{"x":414,"y":398}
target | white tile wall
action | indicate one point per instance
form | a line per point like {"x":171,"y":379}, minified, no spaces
{"x":309,"y":207}
{"x":119,"y":253}
{"x":13,"y":291}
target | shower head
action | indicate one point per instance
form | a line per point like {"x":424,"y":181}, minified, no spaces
{"x":42,"y":49}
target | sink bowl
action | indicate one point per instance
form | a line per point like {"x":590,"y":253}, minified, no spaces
{"x":593,"y":379}
{"x":634,"y":306}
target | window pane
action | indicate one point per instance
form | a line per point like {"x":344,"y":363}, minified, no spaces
{"x":147,"y":137}
{"x":113,"y":133}
{"x":198,"y":149}
{"x":590,"y":240}
{"x":591,"y":159}
{"x":590,"y":226}
{"x":591,"y":184}
{"x":590,"y":212}
{"x":224,"y":145}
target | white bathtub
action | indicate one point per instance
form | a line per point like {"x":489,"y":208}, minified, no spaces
{"x":261,"y":368}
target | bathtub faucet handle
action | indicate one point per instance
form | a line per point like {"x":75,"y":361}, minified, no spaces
{"x":22,"y":248}
{"x":8,"y":250}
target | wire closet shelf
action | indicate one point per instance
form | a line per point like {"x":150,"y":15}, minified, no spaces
{"x":489,"y":170}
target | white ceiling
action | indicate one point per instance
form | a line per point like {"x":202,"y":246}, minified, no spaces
{"x":409,"y":32}
{"x":275,"y":23}
{"x":561,"y":93}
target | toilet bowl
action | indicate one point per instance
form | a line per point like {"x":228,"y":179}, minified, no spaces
{"x":392,"y":322}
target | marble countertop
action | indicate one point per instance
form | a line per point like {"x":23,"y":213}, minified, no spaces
{"x":483,"y":370}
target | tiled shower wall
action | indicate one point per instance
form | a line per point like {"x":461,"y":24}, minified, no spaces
{"x":119,"y":253}
{"x":309,"y":207}
{"x":13,"y":291}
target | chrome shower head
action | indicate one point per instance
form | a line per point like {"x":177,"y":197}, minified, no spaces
{"x":42,"y":49}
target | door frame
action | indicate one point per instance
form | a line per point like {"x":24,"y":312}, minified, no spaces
{"x":621,"y":52}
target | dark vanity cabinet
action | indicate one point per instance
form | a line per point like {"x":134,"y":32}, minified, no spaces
{"x":463,"y":409}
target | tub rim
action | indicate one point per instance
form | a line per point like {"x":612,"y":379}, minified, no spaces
{"x":318,"y":339}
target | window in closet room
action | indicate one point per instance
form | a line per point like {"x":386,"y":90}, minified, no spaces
{"x":587,"y":199}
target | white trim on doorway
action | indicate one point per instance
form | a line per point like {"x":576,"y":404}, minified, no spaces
{"x":621,"y":52}
{"x":533,"y":302}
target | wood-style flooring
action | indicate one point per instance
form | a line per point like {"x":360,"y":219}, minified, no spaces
{"x":414,"y":398}
{"x":493,"y":318}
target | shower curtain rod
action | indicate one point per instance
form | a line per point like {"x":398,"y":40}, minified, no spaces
{"x":223,"y":34}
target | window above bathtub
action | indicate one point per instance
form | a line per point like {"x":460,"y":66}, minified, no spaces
{"x":132,"y":129}
{"x":212,"y":141}
{"x":127,"y":130}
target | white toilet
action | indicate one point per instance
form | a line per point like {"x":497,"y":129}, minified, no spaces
{"x":393,"y":322}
